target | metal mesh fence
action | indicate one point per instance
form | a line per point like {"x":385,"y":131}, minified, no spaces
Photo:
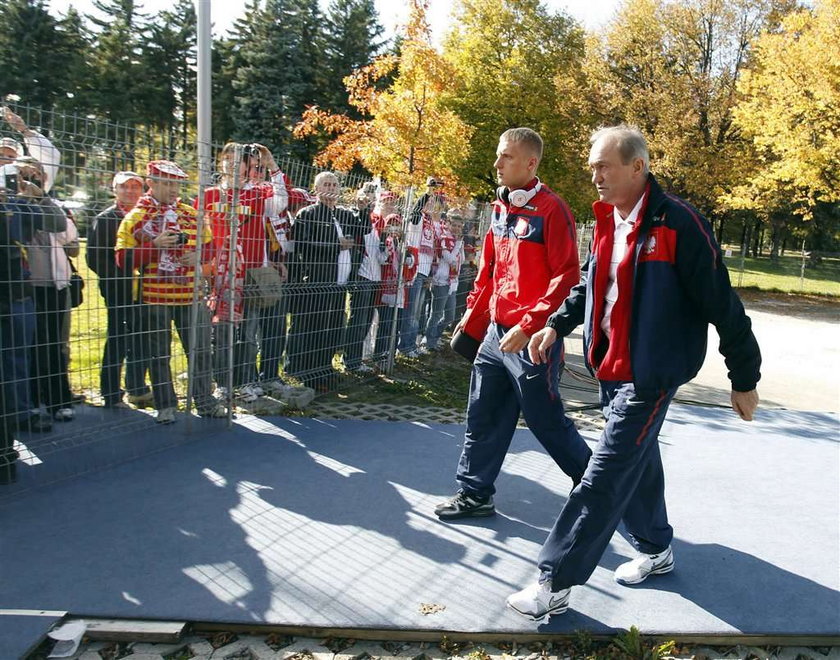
{"x":272,"y":284}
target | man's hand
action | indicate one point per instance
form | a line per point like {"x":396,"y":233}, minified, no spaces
{"x":15,"y":121}
{"x":540,"y":342}
{"x":460,"y":325}
{"x":514,"y":340}
{"x":745,"y":403}
{"x":189,"y":258}
{"x":346,"y":243}
{"x":266,"y":157}
{"x":166,"y":240}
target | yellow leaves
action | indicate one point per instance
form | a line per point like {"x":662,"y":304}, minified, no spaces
{"x":790,"y":110}
{"x":410,"y":133}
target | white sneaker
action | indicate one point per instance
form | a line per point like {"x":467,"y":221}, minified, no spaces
{"x":222,"y":393}
{"x":63,"y":415}
{"x":637,"y":570}
{"x":165,"y":416}
{"x":538,"y":600}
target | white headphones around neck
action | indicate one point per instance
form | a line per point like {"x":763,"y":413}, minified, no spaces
{"x":519,"y":197}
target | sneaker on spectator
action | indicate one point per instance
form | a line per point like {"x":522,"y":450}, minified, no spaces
{"x":463,"y":505}
{"x":257,"y":389}
{"x":215,"y":411}
{"x":413,"y":354}
{"x":422,"y":350}
{"x":638,"y":569}
{"x":64,"y":415}
{"x":362,"y":369}
{"x":165,"y":416}
{"x":221,"y":393}
{"x":145,"y":400}
{"x":538,"y":600}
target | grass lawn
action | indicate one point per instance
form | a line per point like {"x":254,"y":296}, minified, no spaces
{"x":784,"y":275}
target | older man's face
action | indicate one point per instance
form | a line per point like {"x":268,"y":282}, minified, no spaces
{"x":327,"y":190}
{"x":128,"y":192}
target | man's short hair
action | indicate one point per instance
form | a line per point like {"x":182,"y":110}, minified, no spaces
{"x":629,"y":140}
{"x":324,"y":175}
{"x":527,"y":136}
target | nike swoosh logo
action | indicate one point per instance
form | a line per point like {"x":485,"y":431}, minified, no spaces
{"x":530,"y":376}
{"x":554,"y":601}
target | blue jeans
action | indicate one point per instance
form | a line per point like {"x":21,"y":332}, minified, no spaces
{"x":434,"y":329}
{"x":502,"y":385}
{"x":410,"y":325}
{"x":624,"y":481}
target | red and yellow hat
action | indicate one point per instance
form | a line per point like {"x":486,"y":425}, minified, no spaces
{"x":164,"y":169}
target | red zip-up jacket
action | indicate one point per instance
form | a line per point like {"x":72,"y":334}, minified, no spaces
{"x":529,"y":260}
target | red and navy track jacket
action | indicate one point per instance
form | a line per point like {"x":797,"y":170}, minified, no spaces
{"x":529,"y":263}
{"x":674,"y":285}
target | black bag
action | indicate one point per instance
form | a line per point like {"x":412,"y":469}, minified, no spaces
{"x":465,"y":345}
{"x":77,"y":285}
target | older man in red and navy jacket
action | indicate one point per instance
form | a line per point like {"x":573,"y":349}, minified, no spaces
{"x":529,"y":263}
{"x":654,"y":281}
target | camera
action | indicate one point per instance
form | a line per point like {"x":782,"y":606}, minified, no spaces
{"x":9,"y":178}
{"x":183,"y":238}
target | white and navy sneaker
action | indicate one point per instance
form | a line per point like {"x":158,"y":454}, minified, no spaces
{"x":465,"y":506}
{"x":537,"y":600}
{"x":637,"y":570}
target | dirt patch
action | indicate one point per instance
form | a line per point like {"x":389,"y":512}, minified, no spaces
{"x":816,"y":308}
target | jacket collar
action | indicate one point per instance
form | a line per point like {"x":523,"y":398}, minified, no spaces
{"x":655,"y":199}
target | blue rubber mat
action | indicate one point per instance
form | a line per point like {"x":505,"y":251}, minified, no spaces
{"x":20,"y":634}
{"x":329,"y":523}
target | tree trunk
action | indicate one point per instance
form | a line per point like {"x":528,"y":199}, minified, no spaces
{"x":720,"y":229}
{"x":745,"y":238}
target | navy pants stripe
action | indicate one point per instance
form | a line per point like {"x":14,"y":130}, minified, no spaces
{"x":624,"y":481}
{"x":502,"y":385}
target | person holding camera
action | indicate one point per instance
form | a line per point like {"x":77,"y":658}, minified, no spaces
{"x":48,"y":254}
{"x":261,"y":230}
{"x":364,"y":287}
{"x":24,"y":210}
{"x":39,"y":147}
{"x":420,"y":234}
{"x":161,"y":235}
{"x":122,"y":342}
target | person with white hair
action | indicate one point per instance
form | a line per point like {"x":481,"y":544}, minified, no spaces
{"x":655,"y":280}
{"x":325,"y":235}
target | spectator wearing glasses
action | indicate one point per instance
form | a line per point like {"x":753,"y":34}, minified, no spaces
{"x":123,"y":341}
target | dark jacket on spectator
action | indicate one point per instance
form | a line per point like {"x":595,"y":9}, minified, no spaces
{"x":317,"y":246}
{"x":115,"y":283}
{"x":20,"y":218}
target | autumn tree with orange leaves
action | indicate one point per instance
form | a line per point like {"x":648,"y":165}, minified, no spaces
{"x":410,"y":133}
